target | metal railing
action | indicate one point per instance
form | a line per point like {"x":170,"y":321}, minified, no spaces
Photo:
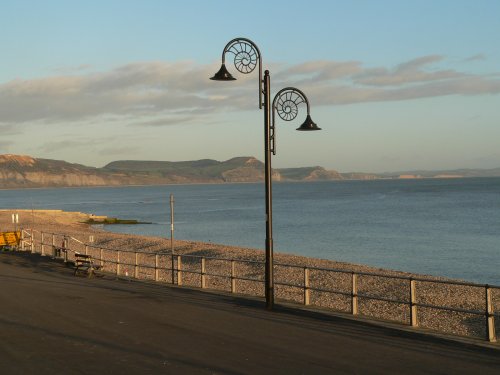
{"x":413,"y":301}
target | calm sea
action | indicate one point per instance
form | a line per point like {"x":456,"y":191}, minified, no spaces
{"x":448,"y":227}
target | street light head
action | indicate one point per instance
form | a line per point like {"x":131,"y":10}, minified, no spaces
{"x":308,"y":125}
{"x":223,"y":75}
{"x":286,"y":104}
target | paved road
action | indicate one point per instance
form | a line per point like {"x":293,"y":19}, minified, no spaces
{"x":54,"y":323}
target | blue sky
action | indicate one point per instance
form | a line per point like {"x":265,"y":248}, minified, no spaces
{"x":395,"y":85}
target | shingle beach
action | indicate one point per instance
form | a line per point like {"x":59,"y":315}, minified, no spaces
{"x":463,"y":297}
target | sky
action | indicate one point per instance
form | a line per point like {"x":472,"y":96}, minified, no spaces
{"x":394,"y":85}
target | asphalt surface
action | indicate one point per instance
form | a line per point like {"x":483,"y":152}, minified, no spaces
{"x":52,"y":322}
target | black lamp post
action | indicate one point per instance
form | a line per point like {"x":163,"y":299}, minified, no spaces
{"x":246,"y":57}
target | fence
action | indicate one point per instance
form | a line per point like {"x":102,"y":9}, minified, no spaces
{"x":452,"y":307}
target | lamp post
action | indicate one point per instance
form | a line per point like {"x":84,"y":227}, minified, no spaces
{"x":246,"y":58}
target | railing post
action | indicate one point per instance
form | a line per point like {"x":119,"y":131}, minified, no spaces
{"x":179,"y":270}
{"x":65,"y":242}
{"x":413,"y":306}
{"x":42,"y":246}
{"x":53,"y":244}
{"x":156,"y":267}
{"x":490,"y":318}
{"x":202,"y":277}
{"x":307,"y":292}
{"x":22,"y":239}
{"x":354,"y":294}
{"x":32,"y":241}
{"x":86,"y":250}
{"x":233,"y":276}
{"x":118,"y":263}
{"x":101,"y":256}
{"x":136,"y":266}
{"x":42,"y":249}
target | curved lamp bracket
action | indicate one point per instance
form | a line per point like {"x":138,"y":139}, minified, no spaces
{"x":246,"y":57}
{"x":286,"y":104}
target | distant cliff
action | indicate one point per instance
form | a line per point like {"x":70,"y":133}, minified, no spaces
{"x":240,"y":169}
{"x":17,"y":171}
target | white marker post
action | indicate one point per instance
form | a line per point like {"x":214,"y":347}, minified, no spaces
{"x":15,"y":220}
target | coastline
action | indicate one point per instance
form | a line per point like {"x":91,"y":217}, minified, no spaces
{"x":441,"y":177}
{"x":77,"y":224}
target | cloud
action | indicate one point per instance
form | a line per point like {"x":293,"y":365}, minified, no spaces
{"x":71,"y":143}
{"x":9,"y":129}
{"x":419,"y":62}
{"x":134,"y":89}
{"x":119,"y":150}
{"x":174,"y":120}
{"x":413,"y":79}
{"x":325,"y":95}
{"x":159,"y":93}
{"x":412,"y":71}
{"x":478,"y":57}
{"x":322,"y":70}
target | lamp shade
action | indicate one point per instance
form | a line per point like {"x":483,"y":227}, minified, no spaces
{"x":223,"y":75}
{"x":308,"y":124}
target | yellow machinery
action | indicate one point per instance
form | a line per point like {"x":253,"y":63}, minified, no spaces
{"x":10,"y":239}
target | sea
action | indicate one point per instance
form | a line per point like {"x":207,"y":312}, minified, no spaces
{"x":441,"y":227}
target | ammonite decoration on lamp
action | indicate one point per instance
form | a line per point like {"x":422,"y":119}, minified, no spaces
{"x":246,"y":58}
{"x":286,"y":104}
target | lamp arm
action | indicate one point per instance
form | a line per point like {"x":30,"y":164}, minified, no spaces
{"x":272,"y":129}
{"x":238,"y":43}
{"x":286,"y":103}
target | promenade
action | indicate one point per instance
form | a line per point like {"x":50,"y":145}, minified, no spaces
{"x":54,"y":323}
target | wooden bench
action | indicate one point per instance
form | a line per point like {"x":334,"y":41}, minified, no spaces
{"x":85,"y":264}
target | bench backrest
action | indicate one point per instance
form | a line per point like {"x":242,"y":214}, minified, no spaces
{"x":82,"y":259}
{"x":82,"y":256}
